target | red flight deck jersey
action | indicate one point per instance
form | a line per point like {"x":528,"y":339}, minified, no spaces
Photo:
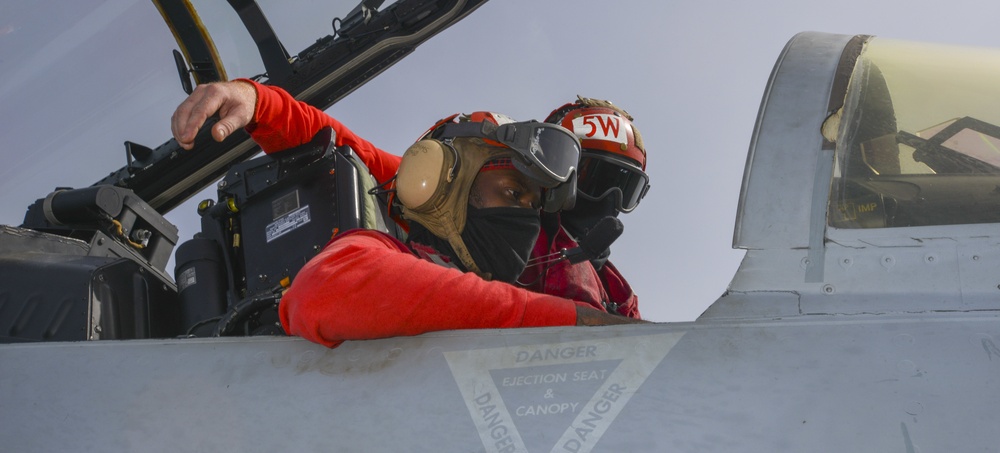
{"x":604,"y":290}
{"x":366,"y":284}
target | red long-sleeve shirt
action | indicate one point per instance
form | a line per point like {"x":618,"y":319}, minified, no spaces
{"x":367,"y":285}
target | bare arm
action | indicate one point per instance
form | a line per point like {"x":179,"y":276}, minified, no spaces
{"x":234,"y":102}
{"x":586,"y":316}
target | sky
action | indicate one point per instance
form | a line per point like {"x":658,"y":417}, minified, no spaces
{"x":691,"y":73}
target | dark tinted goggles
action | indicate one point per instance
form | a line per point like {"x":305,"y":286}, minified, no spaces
{"x":601,"y":176}
{"x":546,"y":152}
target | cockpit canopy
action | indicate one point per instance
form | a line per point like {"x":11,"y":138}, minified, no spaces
{"x":918,"y":142}
{"x":860,"y":136}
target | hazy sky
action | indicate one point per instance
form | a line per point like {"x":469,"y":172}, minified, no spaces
{"x":692,"y":74}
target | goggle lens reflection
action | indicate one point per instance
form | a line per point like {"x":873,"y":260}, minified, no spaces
{"x":600,"y":177}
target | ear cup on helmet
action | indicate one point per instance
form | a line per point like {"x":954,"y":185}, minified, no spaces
{"x":425,"y":169}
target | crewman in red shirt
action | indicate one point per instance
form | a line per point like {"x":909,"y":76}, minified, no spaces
{"x":471,"y":193}
{"x":611,"y":180}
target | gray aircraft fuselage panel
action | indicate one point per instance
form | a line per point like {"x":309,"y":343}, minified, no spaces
{"x":818,"y":383}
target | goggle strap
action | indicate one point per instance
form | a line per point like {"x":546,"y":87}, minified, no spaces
{"x":484,"y":129}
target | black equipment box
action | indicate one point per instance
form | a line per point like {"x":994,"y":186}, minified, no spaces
{"x":54,"y":288}
{"x":88,"y":264}
{"x":276,"y":212}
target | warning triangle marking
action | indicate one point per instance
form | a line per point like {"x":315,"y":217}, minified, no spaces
{"x":554,"y":368}
{"x":549,"y":396}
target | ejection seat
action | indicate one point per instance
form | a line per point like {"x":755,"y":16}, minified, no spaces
{"x":273,"y":214}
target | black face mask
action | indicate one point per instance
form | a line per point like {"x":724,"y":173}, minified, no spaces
{"x":584,"y":216}
{"x":499,"y":239}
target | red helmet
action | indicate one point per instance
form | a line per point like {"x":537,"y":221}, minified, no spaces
{"x":602,"y":127}
{"x":613,"y":159}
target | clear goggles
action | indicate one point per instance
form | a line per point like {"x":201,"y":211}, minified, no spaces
{"x":547,"y":153}
{"x":601,"y":176}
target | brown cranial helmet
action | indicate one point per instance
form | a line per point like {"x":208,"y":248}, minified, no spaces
{"x":435,"y":178}
{"x":436,"y":174}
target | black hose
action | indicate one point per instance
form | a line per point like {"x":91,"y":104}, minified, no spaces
{"x":242,"y":311}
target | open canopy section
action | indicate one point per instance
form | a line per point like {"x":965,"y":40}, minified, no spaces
{"x":89,"y":87}
{"x":79,"y":79}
